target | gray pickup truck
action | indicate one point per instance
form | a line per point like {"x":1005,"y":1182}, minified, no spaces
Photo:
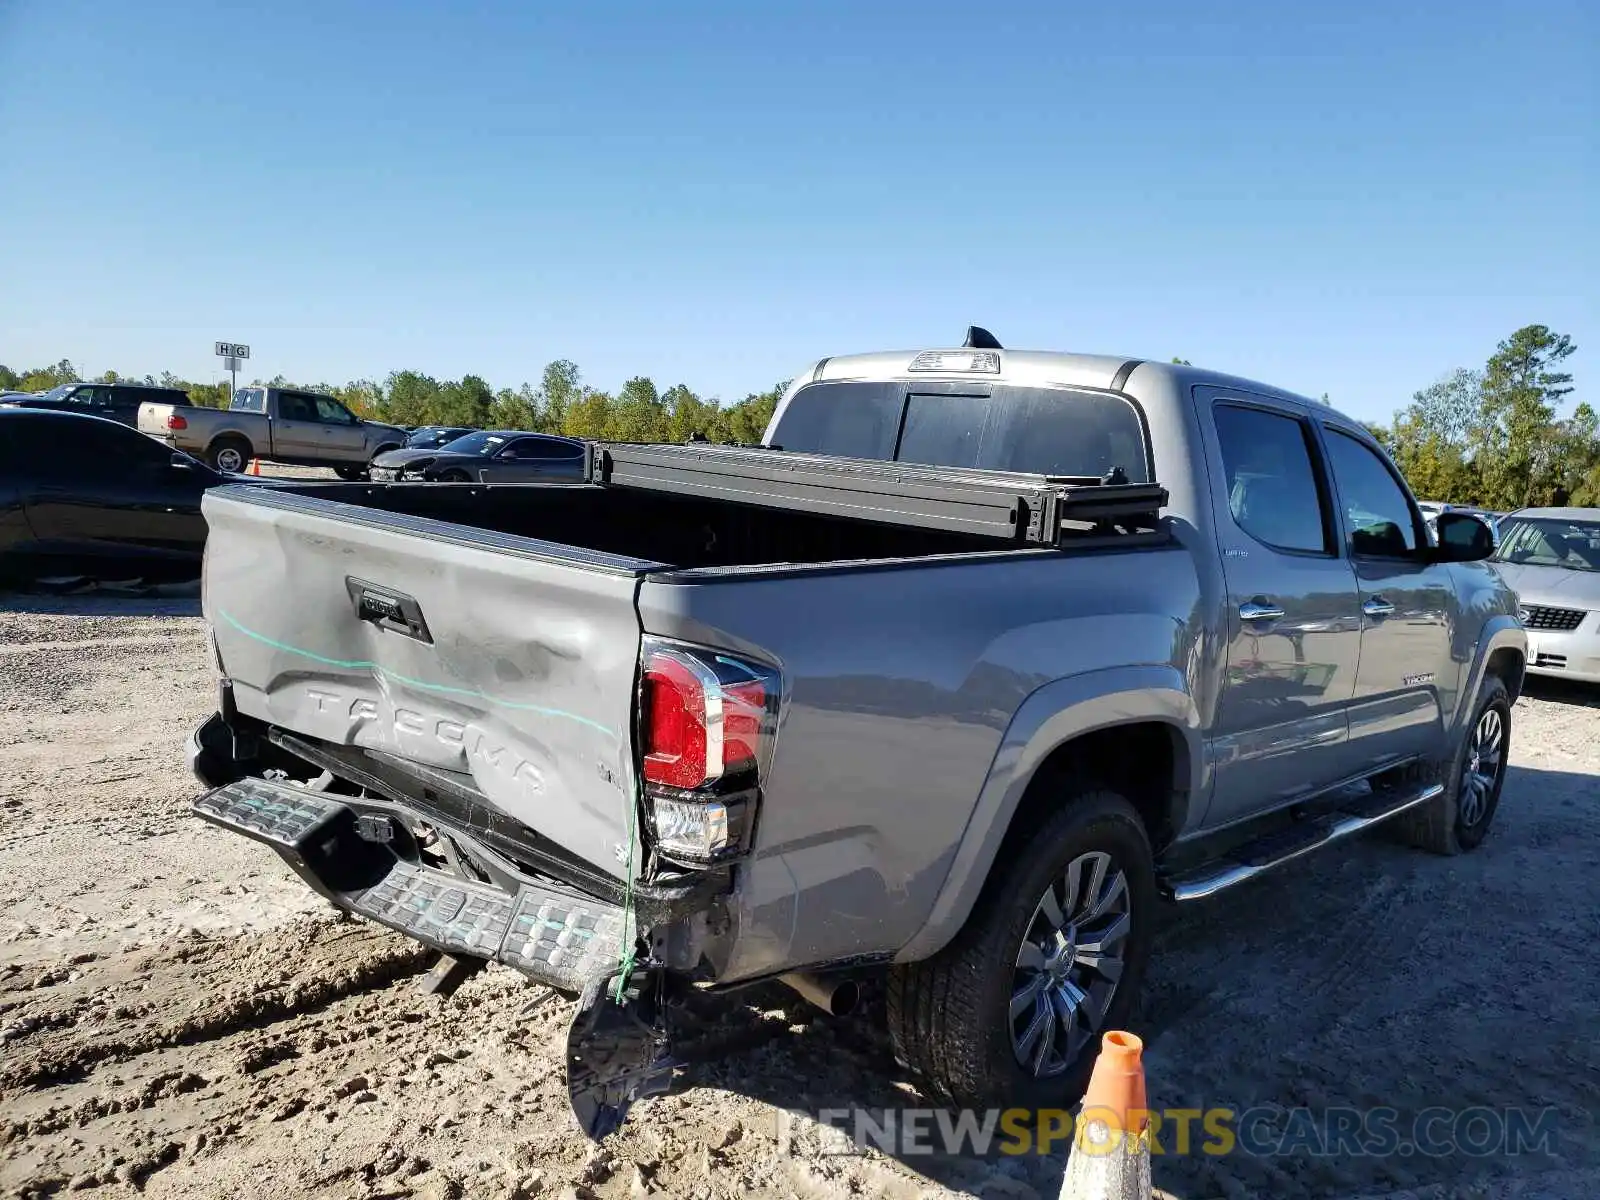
{"x":274,"y":425}
{"x":980,"y":658}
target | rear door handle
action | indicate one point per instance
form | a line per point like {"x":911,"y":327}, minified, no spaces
{"x":1255,"y":610}
{"x":1377,"y":607}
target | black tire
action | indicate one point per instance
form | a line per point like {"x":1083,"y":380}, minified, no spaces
{"x":350,"y":474}
{"x":454,"y":476}
{"x":1446,"y":825}
{"x":229,"y":453}
{"x":950,"y":1015}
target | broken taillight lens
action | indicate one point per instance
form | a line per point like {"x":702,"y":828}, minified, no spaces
{"x":707,"y":725}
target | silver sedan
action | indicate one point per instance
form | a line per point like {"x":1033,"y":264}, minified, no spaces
{"x":1551,"y":559}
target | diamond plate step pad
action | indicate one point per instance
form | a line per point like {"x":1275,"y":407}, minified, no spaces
{"x":544,"y":933}
{"x":280,"y":815}
{"x":554,"y":936}
{"x":455,"y":913}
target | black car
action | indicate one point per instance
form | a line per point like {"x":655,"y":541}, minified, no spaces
{"x":86,"y":496}
{"x":489,"y":456}
{"x":119,"y":401}
{"x":431,"y":437}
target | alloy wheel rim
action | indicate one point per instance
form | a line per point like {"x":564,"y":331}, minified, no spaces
{"x":1069,"y":964}
{"x":1485,"y":756}
{"x":229,"y":460}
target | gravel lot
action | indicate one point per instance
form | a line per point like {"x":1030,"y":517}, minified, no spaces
{"x":179,"y":1016}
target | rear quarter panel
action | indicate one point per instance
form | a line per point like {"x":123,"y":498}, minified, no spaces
{"x":206,"y":425}
{"x":900,"y":684}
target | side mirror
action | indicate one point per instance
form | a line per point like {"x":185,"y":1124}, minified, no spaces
{"x":1462,"y":538}
{"x":182,"y":462}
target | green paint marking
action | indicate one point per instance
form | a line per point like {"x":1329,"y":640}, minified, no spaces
{"x":558,"y":926}
{"x":358,"y":664}
{"x":627,"y":960}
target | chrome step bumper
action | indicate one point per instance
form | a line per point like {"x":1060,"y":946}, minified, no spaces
{"x":548,"y":935}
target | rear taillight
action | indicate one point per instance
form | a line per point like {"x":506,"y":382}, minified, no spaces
{"x":177,"y":421}
{"x":707,"y":725}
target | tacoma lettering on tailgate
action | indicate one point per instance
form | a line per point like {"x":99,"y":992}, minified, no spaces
{"x":463,"y":744}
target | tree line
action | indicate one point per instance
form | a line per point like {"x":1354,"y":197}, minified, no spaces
{"x":1492,"y":437}
{"x":1489,"y":437}
{"x":560,"y":403}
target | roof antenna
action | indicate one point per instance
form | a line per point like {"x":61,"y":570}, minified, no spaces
{"x":979,"y":338}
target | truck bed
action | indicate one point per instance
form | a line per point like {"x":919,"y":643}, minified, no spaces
{"x":655,"y":508}
{"x":628,"y":530}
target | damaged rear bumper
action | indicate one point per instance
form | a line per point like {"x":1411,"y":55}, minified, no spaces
{"x":228,"y":748}
{"x":550,"y":935}
{"x":538,"y":913}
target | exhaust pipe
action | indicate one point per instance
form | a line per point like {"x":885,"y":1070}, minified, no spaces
{"x":834,"y":995}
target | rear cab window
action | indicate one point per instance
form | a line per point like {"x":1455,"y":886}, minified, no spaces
{"x":250,"y":400}
{"x":854,"y":420}
{"x":1063,"y":431}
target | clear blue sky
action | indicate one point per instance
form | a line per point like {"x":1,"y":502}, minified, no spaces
{"x":1354,"y":201}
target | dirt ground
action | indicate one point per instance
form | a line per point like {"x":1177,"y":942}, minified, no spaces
{"x":179,"y":1016}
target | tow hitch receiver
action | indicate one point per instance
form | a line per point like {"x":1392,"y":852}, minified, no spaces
{"x":618,"y":1050}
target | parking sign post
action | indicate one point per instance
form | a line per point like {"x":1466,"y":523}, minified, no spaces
{"x":231,"y":354}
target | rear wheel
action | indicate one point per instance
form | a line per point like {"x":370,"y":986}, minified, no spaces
{"x":229,"y":454}
{"x":1459,"y":819}
{"x":1011,"y":1011}
{"x":350,"y":474}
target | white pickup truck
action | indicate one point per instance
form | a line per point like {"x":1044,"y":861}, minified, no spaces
{"x":276,"y":424}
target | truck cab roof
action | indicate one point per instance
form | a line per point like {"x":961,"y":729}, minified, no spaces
{"x":1026,"y":368}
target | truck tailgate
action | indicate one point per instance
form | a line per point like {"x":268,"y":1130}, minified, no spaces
{"x":505,"y":658}
{"x":152,"y":419}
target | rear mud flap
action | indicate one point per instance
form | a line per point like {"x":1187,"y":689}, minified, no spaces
{"x":618,"y":1050}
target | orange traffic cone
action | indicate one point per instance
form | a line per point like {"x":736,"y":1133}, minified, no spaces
{"x":1110,"y":1157}
{"x":255,"y":467}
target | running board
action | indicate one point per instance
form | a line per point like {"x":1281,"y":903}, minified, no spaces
{"x":1262,"y":855}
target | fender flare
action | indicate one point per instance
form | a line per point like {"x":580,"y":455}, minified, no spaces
{"x":1500,"y":632}
{"x":1051,"y":716}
